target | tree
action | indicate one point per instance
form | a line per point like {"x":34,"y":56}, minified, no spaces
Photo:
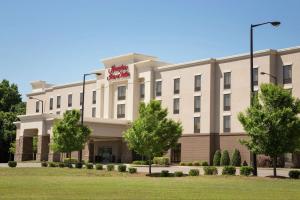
{"x":217,"y":158}
{"x":10,"y":107}
{"x":236,"y":158}
{"x":68,"y":134}
{"x":225,"y":159}
{"x":272,"y":123}
{"x":152,"y":133}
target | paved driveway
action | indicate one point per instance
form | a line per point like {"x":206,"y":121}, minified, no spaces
{"x":185,"y":169}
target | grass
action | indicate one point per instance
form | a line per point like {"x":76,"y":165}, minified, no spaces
{"x":62,"y":183}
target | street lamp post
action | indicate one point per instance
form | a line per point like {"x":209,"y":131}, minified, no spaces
{"x":82,"y":105}
{"x":274,"y":77}
{"x":273,"y":23}
{"x":39,"y":101}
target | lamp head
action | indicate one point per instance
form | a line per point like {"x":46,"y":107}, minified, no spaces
{"x":275,"y":23}
{"x":262,"y":73}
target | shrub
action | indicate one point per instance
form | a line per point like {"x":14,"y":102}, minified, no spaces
{"x":189,"y":164}
{"x":89,"y":165}
{"x":61,"y":165}
{"x":194,"y":172}
{"x":164,"y":173}
{"x":294,"y":174}
{"x":245,"y":163}
{"x":12,"y":163}
{"x":246,"y":171}
{"x":110,"y":167}
{"x":99,"y":167}
{"x":229,"y":170}
{"x":70,"y":165}
{"x":79,"y":165}
{"x":196,"y":163}
{"x":44,"y":164}
{"x":52,"y":164}
{"x":210,"y":170}
{"x":132,"y":170}
{"x":70,"y":160}
{"x":217,"y":158}
{"x":140,"y":162}
{"x":182,"y":164}
{"x":178,"y":173}
{"x":225,"y":159}
{"x":204,"y":163}
{"x":236,"y":158}
{"x":161,"y":161}
{"x":122,"y":168}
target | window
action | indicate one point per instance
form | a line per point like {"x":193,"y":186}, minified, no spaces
{"x":58,"y":112}
{"x":51,"y":104}
{"x":196,"y":124}
{"x":176,"y":85}
{"x":287,"y":74}
{"x":226,"y":102}
{"x":176,"y":106}
{"x":226,"y":124}
{"x":197,"y":83}
{"x":227,"y":80}
{"x":58,"y":99}
{"x":70,"y":100}
{"x":81,"y":98}
{"x":255,"y":76}
{"x":120,"y":110}
{"x":94,"y":97}
{"x":158,"y":88}
{"x":121,"y":92}
{"x":93,"y":112}
{"x":142,"y":90}
{"x":197,"y":103}
{"x":37,"y":106}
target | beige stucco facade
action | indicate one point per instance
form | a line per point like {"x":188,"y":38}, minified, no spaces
{"x":111,"y":110}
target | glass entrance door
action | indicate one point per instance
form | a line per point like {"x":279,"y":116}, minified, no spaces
{"x":105,"y":154}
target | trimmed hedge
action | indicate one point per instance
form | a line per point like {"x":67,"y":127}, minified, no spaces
{"x":225,"y":159}
{"x":194,"y":172}
{"x":229,"y":170}
{"x":210,"y":170}
{"x":197,"y":163}
{"x":122,"y":168}
{"x":246,"y":170}
{"x":204,"y":163}
{"x":110,"y":167}
{"x":182,"y":164}
{"x":70,"y":160}
{"x":132,"y":170}
{"x":52,"y":164}
{"x":99,"y":167}
{"x":140,"y":162}
{"x":236,"y":158}
{"x":44,"y":164}
{"x":295,"y":174}
{"x":12,"y":163}
{"x":161,"y":161}
{"x":62,"y":165}
{"x":89,"y":165}
{"x":178,"y":174}
{"x":189,"y":164}
{"x":79,"y":165}
{"x":217,"y":158}
{"x":164,"y":173}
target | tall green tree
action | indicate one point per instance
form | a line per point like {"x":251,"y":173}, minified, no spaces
{"x":68,"y":134}
{"x":10,"y":107}
{"x":272,"y":123}
{"x":152,"y":133}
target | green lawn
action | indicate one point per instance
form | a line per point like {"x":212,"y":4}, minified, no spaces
{"x":56,"y":183}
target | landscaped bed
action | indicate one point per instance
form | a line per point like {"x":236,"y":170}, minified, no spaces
{"x":65,"y":183}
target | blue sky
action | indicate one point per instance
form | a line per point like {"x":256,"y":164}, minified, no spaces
{"x":38,"y":39}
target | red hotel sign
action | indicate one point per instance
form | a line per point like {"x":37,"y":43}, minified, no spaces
{"x":116,"y":72}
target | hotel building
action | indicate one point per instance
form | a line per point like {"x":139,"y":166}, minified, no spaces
{"x":204,"y":95}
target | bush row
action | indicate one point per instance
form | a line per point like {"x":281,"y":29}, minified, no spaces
{"x":195,"y":163}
